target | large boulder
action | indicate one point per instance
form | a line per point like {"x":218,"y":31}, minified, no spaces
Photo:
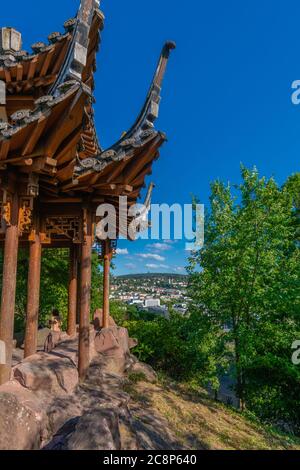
{"x":47,"y":373}
{"x":112,"y":342}
{"x":68,"y":349}
{"x":97,"y":429}
{"x":42,"y":336}
{"x":98,"y":321}
{"x":52,"y":340}
{"x":20,"y":429}
{"x":113,"y":345}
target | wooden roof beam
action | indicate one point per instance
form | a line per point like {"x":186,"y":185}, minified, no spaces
{"x":138,"y":163}
{"x":147,"y":171}
{"x":117,"y":171}
{"x":59,"y":132}
{"x":27,"y":84}
{"x":69,"y":143}
{"x":62,"y":55}
{"x":32,"y":68}
{"x":5,"y":145}
{"x":7,"y":75}
{"x":19,"y":72}
{"x":34,"y":137}
{"x":47,"y":62}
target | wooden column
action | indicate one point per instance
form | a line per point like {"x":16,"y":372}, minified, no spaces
{"x":73,"y":282}
{"x":85,"y":296}
{"x":9,"y":288}
{"x":79,"y":248}
{"x":106,"y":281}
{"x":33,"y":293}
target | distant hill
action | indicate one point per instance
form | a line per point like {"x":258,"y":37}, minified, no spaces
{"x":152,"y":275}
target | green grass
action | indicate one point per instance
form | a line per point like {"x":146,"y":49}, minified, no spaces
{"x":201,"y":423}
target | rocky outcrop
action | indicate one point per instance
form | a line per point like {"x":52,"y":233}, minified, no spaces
{"x":47,"y":373}
{"x":144,"y":370}
{"x":133,"y":342}
{"x":45,"y":406}
{"x":98,"y":321}
{"x":20,"y":428}
{"x":96,"y":430}
{"x":113,"y":346}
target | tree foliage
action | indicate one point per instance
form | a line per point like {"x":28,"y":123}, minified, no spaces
{"x":244,"y":315}
{"x":245,"y":288}
{"x":54,"y":285}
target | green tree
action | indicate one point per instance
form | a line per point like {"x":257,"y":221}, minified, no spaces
{"x":54,"y":285}
{"x":245,"y":289}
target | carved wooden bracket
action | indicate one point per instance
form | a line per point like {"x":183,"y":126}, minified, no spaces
{"x":5,"y":208}
{"x":25,"y":215}
{"x":85,"y":224}
{"x":67,"y":226}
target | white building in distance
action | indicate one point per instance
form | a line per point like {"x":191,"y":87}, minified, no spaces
{"x":152,"y":303}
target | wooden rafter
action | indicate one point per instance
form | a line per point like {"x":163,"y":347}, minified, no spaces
{"x":34,"y":137}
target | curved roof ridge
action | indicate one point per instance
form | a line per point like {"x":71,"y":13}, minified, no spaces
{"x":78,"y":50}
{"x":143,"y":129}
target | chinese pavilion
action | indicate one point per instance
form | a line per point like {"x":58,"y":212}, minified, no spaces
{"x":53,"y":171}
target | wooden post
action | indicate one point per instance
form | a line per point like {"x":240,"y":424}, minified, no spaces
{"x":33,"y":294}
{"x":106,"y":282}
{"x":73,"y":282}
{"x":9,"y":288}
{"x":85,"y":296}
{"x":79,"y":248}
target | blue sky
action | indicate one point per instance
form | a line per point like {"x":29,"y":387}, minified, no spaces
{"x":226,"y":97}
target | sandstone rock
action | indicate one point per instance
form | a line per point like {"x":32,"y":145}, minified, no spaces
{"x":106,"y":342}
{"x":52,"y":340}
{"x":111,"y":322}
{"x":42,"y":336}
{"x":19,"y":337}
{"x":26,"y":397}
{"x":19,"y":428}
{"x":133,"y":343}
{"x":50,"y":406}
{"x":145,"y":369}
{"x":130,"y":360}
{"x":60,"y":439}
{"x":47,"y":373}
{"x":68,"y":349}
{"x":112,"y":342}
{"x":123,"y":339}
{"x":60,"y":412}
{"x":97,"y":429}
{"x":129,"y":439}
{"x":98,"y":320}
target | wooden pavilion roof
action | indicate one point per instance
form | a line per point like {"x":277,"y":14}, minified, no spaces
{"x":49,"y":128}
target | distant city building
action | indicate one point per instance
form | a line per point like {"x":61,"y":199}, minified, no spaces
{"x":136,"y":302}
{"x":149,"y":292}
{"x":161,"y":311}
{"x":152,"y":303}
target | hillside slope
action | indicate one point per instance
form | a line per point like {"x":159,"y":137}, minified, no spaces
{"x":190,"y":420}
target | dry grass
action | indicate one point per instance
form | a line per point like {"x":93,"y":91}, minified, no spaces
{"x":198,"y":422}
